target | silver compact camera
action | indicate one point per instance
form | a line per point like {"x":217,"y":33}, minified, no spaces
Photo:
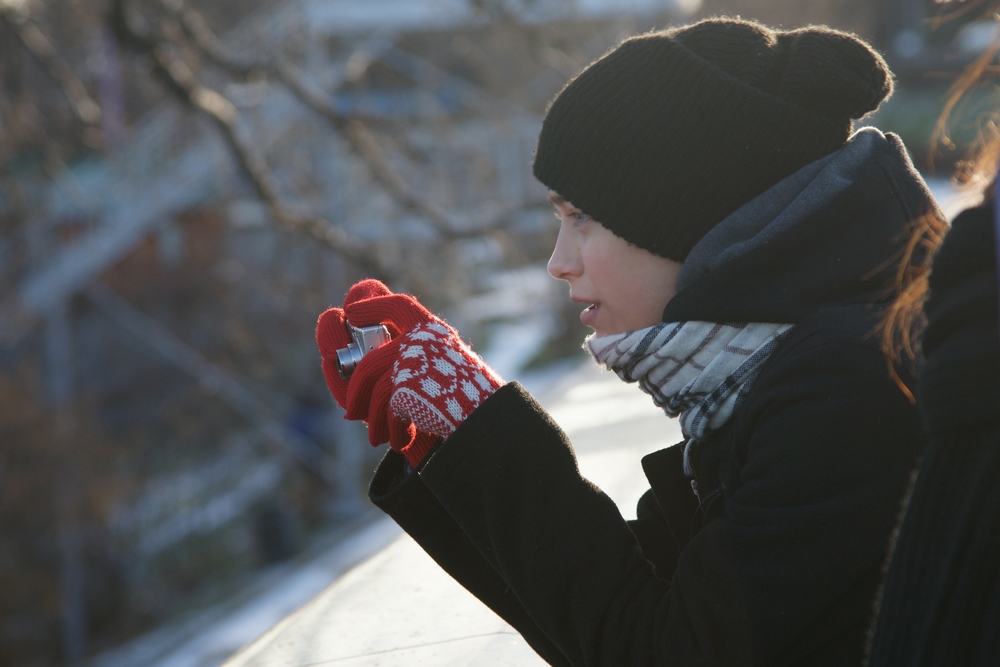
{"x":365,"y":340}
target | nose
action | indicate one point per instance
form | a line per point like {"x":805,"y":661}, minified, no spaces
{"x":564,"y":263}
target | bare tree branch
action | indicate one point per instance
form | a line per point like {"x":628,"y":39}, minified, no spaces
{"x":231,"y":389}
{"x":360,"y":138}
{"x":184,"y":82}
{"x":201,"y":34}
{"x":41,"y":48}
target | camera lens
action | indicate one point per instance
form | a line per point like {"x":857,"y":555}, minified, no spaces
{"x":347,"y":359}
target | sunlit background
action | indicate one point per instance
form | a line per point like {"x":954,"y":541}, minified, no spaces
{"x":186,"y":184}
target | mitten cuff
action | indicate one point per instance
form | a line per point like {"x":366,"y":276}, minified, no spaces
{"x":419,"y":447}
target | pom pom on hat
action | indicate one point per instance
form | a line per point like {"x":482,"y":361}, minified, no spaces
{"x":833,"y":73}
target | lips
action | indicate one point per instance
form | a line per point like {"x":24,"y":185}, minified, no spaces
{"x":589,"y":314}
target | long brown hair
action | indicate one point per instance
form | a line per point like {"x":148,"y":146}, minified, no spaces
{"x":903,"y":324}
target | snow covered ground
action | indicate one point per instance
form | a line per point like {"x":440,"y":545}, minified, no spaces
{"x":398,"y":608}
{"x":373,"y":597}
{"x":209,"y":637}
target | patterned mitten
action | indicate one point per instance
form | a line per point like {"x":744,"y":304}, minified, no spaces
{"x":437,"y":380}
{"x":414,"y":389}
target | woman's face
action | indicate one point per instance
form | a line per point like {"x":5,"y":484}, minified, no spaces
{"x":623,"y":286}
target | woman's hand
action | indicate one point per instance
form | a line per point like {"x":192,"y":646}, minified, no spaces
{"x":419,"y":386}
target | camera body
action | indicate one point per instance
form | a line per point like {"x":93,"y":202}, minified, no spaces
{"x":365,"y":340}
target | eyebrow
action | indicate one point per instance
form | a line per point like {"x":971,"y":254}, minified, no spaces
{"x":556,"y":199}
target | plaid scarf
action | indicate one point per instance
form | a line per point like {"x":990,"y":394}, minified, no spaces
{"x":699,"y":370}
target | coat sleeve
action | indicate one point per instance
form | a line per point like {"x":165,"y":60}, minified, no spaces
{"x":406,"y":499}
{"x":789,"y":570}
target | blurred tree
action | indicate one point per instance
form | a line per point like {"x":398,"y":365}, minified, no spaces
{"x":160,"y":335}
{"x":33,"y":469}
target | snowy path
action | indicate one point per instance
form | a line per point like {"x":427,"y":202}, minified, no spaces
{"x":398,"y":608}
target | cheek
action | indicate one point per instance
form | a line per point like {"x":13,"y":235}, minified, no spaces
{"x":636,"y":290}
{"x":617,"y":284}
{"x":642,"y":305}
{"x":652,"y":305}
{"x":604,"y":271}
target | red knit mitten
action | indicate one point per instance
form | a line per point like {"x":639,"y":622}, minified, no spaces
{"x":367,"y":303}
{"x":437,"y":380}
{"x":415,"y":364}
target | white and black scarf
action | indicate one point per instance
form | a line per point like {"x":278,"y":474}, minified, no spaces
{"x":700,"y":371}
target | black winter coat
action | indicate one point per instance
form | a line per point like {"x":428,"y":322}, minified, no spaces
{"x":941,"y":603}
{"x":778,"y":564}
{"x":777,"y":560}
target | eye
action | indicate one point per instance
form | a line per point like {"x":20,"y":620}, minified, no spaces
{"x":576,"y":217}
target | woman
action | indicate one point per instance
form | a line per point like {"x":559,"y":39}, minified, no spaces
{"x":732,"y":242}
{"x":941,"y":599}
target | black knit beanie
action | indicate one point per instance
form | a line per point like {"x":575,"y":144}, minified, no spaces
{"x":672,"y":131}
